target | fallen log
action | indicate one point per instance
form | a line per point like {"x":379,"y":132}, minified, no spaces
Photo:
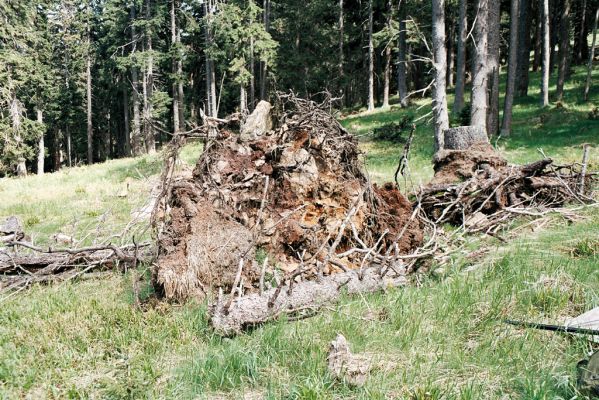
{"x":39,"y":265}
{"x":230,"y":316}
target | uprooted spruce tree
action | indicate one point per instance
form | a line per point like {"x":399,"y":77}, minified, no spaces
{"x":278,"y":217}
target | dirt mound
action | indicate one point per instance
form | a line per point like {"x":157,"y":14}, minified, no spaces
{"x":459,"y":165}
{"x":296,"y":194}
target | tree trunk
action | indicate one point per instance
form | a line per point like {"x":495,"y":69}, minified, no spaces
{"x":176,"y":123}
{"x":180,"y":94}
{"x":523,"y":62}
{"x":458,"y":104}
{"x":41,"y":151}
{"x":478,"y":114}
{"x":538,"y":56}
{"x":210,"y":73}
{"x":564,"y":50}
{"x":493,"y":65}
{"x":69,"y":147}
{"x":546,"y":53}
{"x":341,"y":55}
{"x":149,"y":86}
{"x":450,"y":29}
{"x":506,"y":126}
{"x":402,"y":87}
{"x":243,"y":101}
{"x":387,"y":72}
{"x":126,"y":121}
{"x":554,"y":22}
{"x":587,"y":85}
{"x":370,"y":60}
{"x":90,"y":135}
{"x":263,"y":64}
{"x":440,"y":63}
{"x":252,"y":102}
{"x":580,"y":34}
{"x":136,"y":134}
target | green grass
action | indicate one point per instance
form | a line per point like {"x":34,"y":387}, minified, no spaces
{"x":440,"y":338}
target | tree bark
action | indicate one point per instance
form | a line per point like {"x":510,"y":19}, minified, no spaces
{"x":546,"y":53}
{"x":41,"y":150}
{"x":402,"y":87}
{"x":136,"y":140}
{"x":263,"y":64}
{"x":458,"y":104}
{"x":341,"y":51}
{"x":180,"y":94}
{"x":493,"y":65}
{"x":478,"y":114}
{"x":69,"y":147}
{"x":126,"y":121}
{"x":450,"y":29}
{"x":538,"y":56}
{"x":523,"y":63}
{"x":581,"y":45}
{"x":506,"y":126}
{"x":175,"y":90}
{"x":564,"y":50}
{"x":587,"y":85}
{"x":370,"y":59}
{"x":149,"y":134}
{"x":252,"y":102}
{"x":440,"y":64}
{"x":387,"y":72}
{"x":210,"y":69}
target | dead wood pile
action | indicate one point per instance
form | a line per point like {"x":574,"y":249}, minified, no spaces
{"x":478,"y":190}
{"x":280,"y":219}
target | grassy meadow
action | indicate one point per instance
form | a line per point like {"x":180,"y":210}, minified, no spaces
{"x":439,"y":338}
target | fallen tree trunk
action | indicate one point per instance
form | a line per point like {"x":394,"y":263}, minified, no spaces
{"x":229,"y":316}
{"x":40,"y":265}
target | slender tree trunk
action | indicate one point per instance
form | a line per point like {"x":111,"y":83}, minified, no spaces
{"x":150,"y":139}
{"x":263,"y":64}
{"x":450,"y":29}
{"x":136,"y":134}
{"x":387,"y":71}
{"x":506,"y":126}
{"x":587,"y":85}
{"x":252,"y":79}
{"x":478,"y":114}
{"x":554,"y":22}
{"x":493,"y":65}
{"x":69,"y":147}
{"x":523,"y":63}
{"x":180,"y":94}
{"x":538,"y":56}
{"x":126,"y":122}
{"x":564,"y":50}
{"x":458,"y":104}
{"x":546,"y":54}
{"x":243,"y":100}
{"x":175,"y":90}
{"x":370,"y":59}
{"x":440,"y":63}
{"x":41,"y":150}
{"x":580,"y":36}
{"x":341,"y":51}
{"x":210,"y":70}
{"x":402,"y":87}
{"x":90,"y":134}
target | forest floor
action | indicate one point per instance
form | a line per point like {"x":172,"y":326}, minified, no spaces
{"x":441,"y":337}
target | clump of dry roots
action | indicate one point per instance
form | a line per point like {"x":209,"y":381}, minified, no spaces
{"x":478,"y":190}
{"x":279,"y":208}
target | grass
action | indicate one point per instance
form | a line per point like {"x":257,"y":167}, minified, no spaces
{"x":441,"y":338}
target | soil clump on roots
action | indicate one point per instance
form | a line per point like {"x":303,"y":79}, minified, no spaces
{"x":289,"y":203}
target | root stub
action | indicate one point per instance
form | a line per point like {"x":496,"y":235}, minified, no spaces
{"x":296,"y":195}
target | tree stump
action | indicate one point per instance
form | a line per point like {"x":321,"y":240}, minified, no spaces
{"x":258,"y":123}
{"x":462,"y":137}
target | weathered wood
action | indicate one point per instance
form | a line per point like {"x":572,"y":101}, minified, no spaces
{"x":231,"y":317}
{"x":258,"y":123}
